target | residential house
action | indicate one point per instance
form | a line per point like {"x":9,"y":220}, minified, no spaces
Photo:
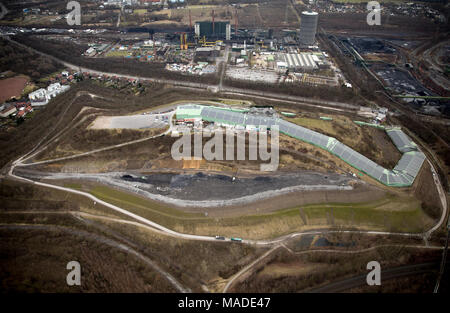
{"x":43,"y":96}
{"x":8,"y":111}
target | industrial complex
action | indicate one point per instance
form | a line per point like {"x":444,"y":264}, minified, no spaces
{"x":289,"y":56}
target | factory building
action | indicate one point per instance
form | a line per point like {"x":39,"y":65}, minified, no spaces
{"x":216,"y":30}
{"x":298,"y":62}
{"x":308,"y":27}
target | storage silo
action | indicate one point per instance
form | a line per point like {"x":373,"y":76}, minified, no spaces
{"x":308,"y":27}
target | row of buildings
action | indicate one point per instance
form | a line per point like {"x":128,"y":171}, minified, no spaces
{"x":17,"y":110}
{"x":42,"y":96}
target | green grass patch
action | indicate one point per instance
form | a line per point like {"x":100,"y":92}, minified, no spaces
{"x":313,"y":123}
{"x":145,"y":207}
{"x":392,"y":213}
{"x":140,"y":11}
{"x":76,"y":186}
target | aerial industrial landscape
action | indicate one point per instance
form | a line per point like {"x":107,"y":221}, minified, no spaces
{"x":224,"y":146}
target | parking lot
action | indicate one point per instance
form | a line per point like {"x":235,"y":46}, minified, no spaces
{"x":142,"y":121}
{"x":242,"y":73}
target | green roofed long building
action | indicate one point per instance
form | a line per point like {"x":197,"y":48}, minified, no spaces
{"x":403,"y":174}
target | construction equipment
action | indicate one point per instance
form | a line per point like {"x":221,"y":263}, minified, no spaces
{"x":304,"y":77}
{"x":205,"y":43}
{"x":183,"y":42}
{"x":261,"y":43}
{"x":236,"y":169}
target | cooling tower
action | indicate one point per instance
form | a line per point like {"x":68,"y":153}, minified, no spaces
{"x":308,"y":27}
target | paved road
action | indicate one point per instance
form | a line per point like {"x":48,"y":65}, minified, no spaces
{"x":443,"y":199}
{"x":136,"y":122}
{"x":238,"y":275}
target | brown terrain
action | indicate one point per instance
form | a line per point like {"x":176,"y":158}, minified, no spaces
{"x":12,"y":87}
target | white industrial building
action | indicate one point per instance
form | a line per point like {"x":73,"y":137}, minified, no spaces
{"x":299,"y":62}
{"x":42,"y":96}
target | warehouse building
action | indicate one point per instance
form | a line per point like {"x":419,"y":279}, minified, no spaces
{"x":298,"y":62}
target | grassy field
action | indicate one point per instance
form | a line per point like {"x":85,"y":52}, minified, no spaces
{"x":140,"y":11}
{"x":313,"y":123}
{"x":236,"y":102}
{"x":394,"y":213}
{"x":30,"y":87}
